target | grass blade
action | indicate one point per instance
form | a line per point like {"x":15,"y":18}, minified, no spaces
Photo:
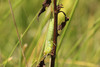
{"x":85,"y":44}
{"x":17,"y":33}
{"x":21,"y":38}
{"x":67,"y":25}
{"x":78,"y":42}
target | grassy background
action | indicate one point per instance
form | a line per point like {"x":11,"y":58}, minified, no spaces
{"x":80,"y":47}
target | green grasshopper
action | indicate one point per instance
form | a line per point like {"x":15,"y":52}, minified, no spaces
{"x":49,"y":40}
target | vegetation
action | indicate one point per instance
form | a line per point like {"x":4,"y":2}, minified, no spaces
{"x":77,"y":46}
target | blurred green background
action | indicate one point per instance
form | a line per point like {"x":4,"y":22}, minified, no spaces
{"x":83,"y":31}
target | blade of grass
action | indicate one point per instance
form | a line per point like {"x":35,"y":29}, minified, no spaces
{"x":2,"y":64}
{"x":41,"y":27}
{"x":34,"y":42}
{"x":37,"y":36}
{"x":21,"y":38}
{"x":76,"y":44}
{"x":96,"y":56}
{"x":56,"y":62}
{"x":35,"y":52}
{"x":67,"y":25}
{"x":41,"y":53}
{"x":33,"y":63}
{"x":85,"y":44}
{"x":58,"y":2}
{"x":20,"y":58}
{"x":17,"y":33}
{"x":20,"y":55}
{"x":79,"y":41}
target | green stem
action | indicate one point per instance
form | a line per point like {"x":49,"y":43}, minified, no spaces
{"x":21,"y":38}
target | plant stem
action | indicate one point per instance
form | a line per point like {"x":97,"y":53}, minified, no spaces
{"x":55,"y":36}
{"x":17,"y":32}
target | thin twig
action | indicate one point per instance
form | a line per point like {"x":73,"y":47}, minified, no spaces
{"x":17,"y":32}
{"x":55,"y":35}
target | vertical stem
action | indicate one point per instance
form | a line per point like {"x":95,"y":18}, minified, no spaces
{"x":55,"y":36}
{"x":17,"y":32}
